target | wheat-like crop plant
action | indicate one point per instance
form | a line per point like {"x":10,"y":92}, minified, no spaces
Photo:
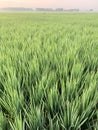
{"x":48,"y":71}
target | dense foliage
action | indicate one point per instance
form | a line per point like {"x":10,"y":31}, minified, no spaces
{"x":48,"y":71}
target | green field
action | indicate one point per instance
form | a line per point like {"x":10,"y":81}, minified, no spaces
{"x":48,"y":71}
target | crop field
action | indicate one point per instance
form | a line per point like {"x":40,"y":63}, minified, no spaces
{"x":48,"y":71}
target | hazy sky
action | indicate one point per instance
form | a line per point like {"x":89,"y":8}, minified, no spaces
{"x":82,"y":4}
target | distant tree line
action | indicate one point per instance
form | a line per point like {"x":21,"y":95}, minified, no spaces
{"x":15,"y":9}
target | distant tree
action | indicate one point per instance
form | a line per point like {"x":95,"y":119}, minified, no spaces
{"x":91,"y":10}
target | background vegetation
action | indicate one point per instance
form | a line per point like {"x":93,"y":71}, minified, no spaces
{"x":48,"y":71}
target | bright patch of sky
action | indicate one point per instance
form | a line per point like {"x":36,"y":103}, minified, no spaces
{"x":81,"y":4}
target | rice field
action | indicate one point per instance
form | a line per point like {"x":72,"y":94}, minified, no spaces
{"x":48,"y":71}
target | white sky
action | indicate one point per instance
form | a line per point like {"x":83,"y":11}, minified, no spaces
{"x":82,"y":4}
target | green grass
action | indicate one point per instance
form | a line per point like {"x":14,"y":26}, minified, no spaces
{"x":48,"y":71}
